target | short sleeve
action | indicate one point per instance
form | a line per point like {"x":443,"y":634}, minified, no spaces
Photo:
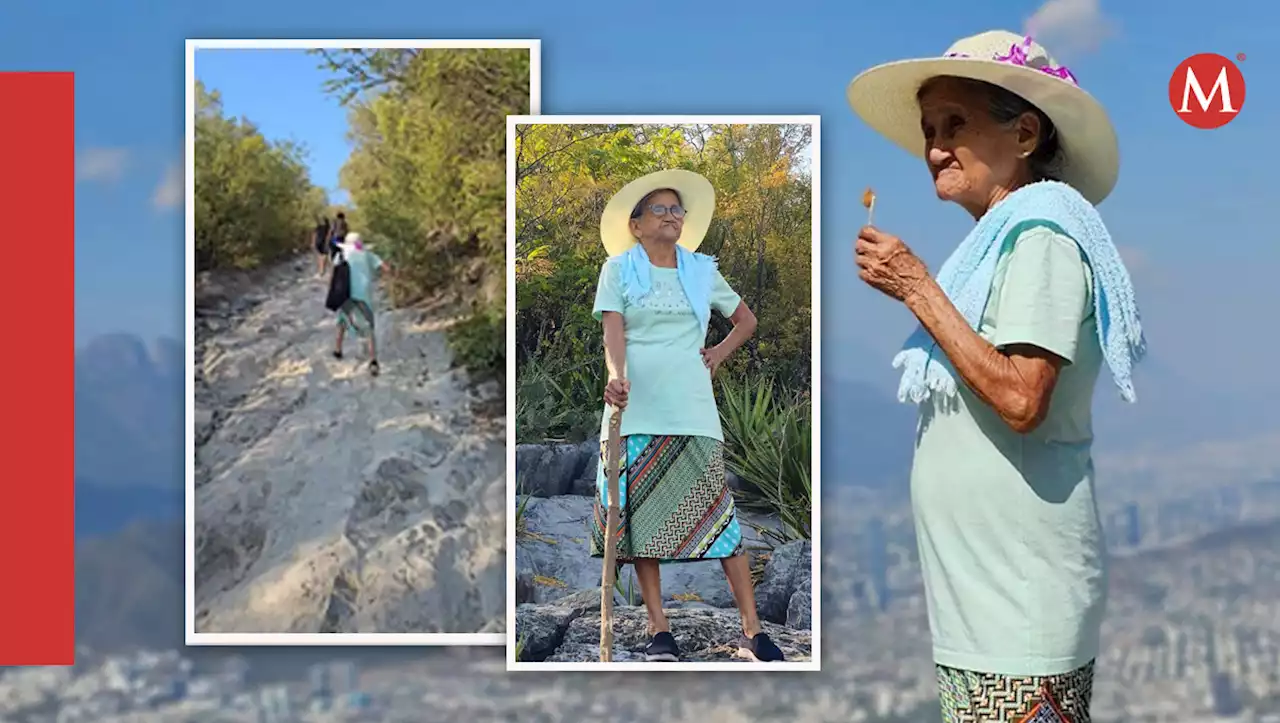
{"x":608,"y":291}
{"x":723,"y":298}
{"x":375,"y":261}
{"x":1045,"y":295}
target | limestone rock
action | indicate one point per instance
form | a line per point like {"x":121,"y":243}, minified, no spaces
{"x":329,"y":500}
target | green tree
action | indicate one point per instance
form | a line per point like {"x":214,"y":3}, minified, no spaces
{"x":254,"y":202}
{"x":427,"y":174}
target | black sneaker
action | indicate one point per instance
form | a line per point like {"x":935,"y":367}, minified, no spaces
{"x":760,"y":649}
{"x":662,"y":649}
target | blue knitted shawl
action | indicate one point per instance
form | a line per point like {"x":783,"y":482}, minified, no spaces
{"x":695,"y":271}
{"x":968,"y":274}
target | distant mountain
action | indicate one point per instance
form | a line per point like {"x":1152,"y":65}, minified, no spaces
{"x":130,"y":588}
{"x":130,"y":433}
{"x":1173,"y":411}
{"x":867,"y":436}
{"x":130,"y":429}
{"x":105,"y":510}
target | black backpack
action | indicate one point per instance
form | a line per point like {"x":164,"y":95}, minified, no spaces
{"x":339,"y":284}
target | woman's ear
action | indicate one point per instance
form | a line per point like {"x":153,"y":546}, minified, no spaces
{"x":1028,"y":134}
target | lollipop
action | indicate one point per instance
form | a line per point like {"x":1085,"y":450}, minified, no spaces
{"x":869,"y":203}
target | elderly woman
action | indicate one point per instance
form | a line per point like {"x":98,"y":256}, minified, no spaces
{"x":359,"y":312}
{"x":654,"y":300}
{"x":1013,"y":334}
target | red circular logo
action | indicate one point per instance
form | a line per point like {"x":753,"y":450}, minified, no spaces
{"x":1206,"y":90}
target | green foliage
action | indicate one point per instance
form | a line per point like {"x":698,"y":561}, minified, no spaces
{"x":558,"y":399}
{"x":629,"y":591}
{"x":254,"y":203}
{"x":762,"y":237}
{"x":479,"y":343}
{"x":520,"y":522}
{"x":768,"y":446}
{"x":428,"y":174}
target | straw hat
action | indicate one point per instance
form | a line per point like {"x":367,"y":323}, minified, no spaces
{"x":696,"y":195}
{"x":885,"y":98}
{"x":351,"y":242}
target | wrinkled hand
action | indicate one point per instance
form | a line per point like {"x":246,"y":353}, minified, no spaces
{"x":616,"y":392}
{"x":712,"y":358}
{"x":886,"y":264}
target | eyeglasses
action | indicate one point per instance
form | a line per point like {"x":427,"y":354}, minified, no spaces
{"x":675,"y":210}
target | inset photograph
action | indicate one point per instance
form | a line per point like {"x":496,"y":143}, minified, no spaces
{"x":346,"y":295}
{"x":663,"y":310}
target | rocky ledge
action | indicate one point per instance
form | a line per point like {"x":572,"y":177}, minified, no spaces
{"x":568,"y":631}
{"x":558,"y":591}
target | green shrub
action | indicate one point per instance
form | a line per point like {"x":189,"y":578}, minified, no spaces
{"x":479,"y":344}
{"x":559,"y":399}
{"x":768,"y":440}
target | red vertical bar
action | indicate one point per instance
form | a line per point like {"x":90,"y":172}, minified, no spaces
{"x":37,"y":370}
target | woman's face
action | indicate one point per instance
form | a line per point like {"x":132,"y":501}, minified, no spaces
{"x":973,"y":159}
{"x":664,"y":228}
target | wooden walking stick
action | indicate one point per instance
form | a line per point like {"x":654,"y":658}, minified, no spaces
{"x":613,"y":460}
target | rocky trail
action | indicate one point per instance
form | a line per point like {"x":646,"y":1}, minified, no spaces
{"x":558,"y":582}
{"x":330,"y":500}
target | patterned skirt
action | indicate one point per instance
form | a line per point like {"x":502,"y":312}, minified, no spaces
{"x":969,"y":697}
{"x":674,"y":503}
{"x":357,"y":317}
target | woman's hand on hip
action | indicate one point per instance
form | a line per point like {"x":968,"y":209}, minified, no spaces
{"x":616,"y":392}
{"x":886,"y":264}
{"x":713,"y":358}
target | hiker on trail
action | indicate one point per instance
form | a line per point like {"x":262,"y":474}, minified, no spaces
{"x":358,"y":312}
{"x":339,"y":232}
{"x":320,"y":242}
{"x":654,"y":300}
{"x":1012,"y":335}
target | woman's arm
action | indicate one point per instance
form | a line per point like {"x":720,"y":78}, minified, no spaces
{"x":744,"y":325}
{"x":615,"y":344}
{"x":1017,"y":382}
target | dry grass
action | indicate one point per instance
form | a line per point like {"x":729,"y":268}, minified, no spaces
{"x":758,"y":565}
{"x":549,"y":581}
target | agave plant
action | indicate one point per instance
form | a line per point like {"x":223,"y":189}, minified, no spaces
{"x":557,"y":401}
{"x":767,"y":445}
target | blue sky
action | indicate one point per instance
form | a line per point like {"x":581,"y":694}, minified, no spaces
{"x":1191,"y":208}
{"x":281,"y":92}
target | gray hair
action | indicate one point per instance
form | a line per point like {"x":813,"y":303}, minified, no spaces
{"x":638,"y":211}
{"x":1005,"y":107}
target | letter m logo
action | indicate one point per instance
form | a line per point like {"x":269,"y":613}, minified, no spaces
{"x":1221,"y":87}
{"x":1206,"y":91}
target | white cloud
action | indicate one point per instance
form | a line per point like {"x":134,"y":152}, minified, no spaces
{"x":1070,"y":26}
{"x":171,"y":190}
{"x":101,"y":165}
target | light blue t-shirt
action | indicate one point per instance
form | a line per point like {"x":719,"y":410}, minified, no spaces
{"x":1011,"y":547}
{"x":670,"y":386}
{"x":364,"y":267}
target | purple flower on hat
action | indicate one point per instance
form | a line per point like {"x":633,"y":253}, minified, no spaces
{"x":1061,"y":72}
{"x":1017,"y":55}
